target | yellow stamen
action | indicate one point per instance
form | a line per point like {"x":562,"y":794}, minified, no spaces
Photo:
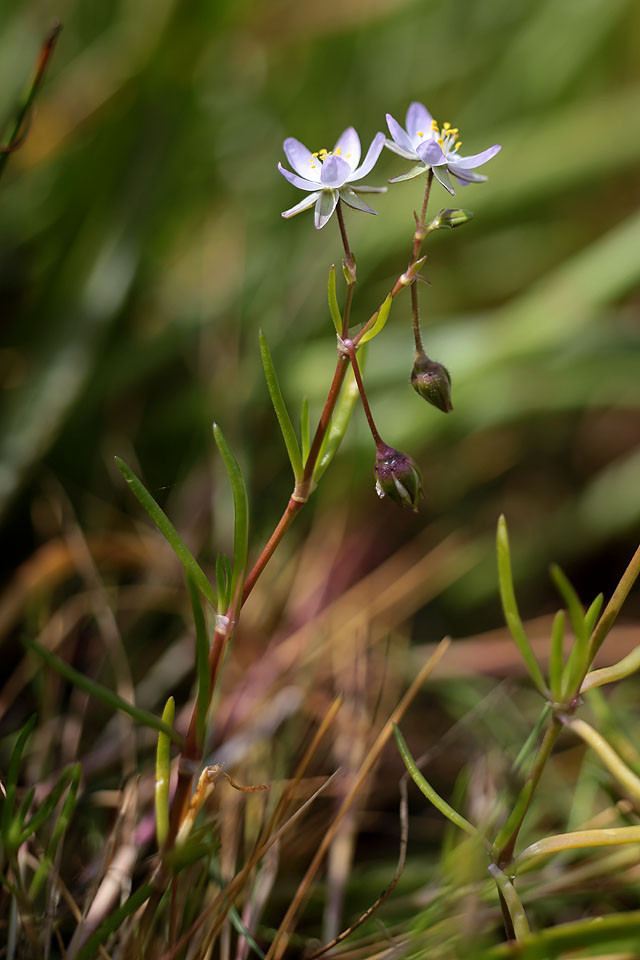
{"x":315,"y":155}
{"x":348,"y":155}
{"x":445,"y":126}
{"x":420,"y":133}
{"x":313,"y":166}
{"x":458,"y":145}
{"x":453,"y":131}
{"x":339,"y":151}
{"x":441,"y":141}
{"x":434,"y":124}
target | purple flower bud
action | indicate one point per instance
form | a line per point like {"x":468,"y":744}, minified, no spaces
{"x":432,"y":381}
{"x":397,"y":477}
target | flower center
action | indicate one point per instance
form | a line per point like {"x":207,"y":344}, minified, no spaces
{"x":321,"y":155}
{"x":446,"y":137}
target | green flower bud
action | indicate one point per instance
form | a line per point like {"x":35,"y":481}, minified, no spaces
{"x":451,"y":218}
{"x":397,"y":477}
{"x":432,"y":381}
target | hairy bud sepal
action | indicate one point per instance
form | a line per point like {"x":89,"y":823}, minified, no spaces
{"x":398,"y":477}
{"x":432,"y":381}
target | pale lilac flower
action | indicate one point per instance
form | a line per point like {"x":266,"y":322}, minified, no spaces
{"x":433,"y":148}
{"x":329,"y":175}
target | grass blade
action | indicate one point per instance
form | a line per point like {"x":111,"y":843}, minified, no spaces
{"x":169,"y":532}
{"x":94,"y":689}
{"x":59,"y":830}
{"x":163,"y":775}
{"x":11,"y":781}
{"x":241,"y":512}
{"x":510,"y":607}
{"x":284,"y":420}
{"x":112,"y":923}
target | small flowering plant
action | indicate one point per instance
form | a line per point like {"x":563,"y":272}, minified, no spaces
{"x":332,"y":178}
{"x":330,"y":175}
{"x":432,"y":148}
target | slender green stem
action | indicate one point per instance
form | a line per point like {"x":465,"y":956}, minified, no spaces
{"x":363,"y":396}
{"x":505,"y":856}
{"x":345,"y":240}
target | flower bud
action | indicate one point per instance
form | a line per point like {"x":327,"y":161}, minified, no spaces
{"x":432,"y":381}
{"x":450,"y":218}
{"x":397,"y":477}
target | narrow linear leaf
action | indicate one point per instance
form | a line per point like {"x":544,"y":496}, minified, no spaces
{"x":202,"y":663}
{"x":241,"y":511}
{"x":510,"y":607}
{"x":163,"y":775}
{"x":11,"y":781}
{"x":627,"y":779}
{"x":286,"y":427}
{"x":340,"y":420}
{"x":25,"y":806}
{"x":58,"y":832}
{"x":623,"y":668}
{"x":593,"y":613}
{"x":336,"y":316}
{"x":378,"y":326}
{"x":570,"y":597}
{"x":111,"y":699}
{"x":169,"y":532}
{"x":222,"y":583}
{"x":556,"y":657}
{"x":611,"y":836}
{"x":305,"y":438}
{"x":425,"y":787}
{"x":527,"y":746}
{"x":113,"y":922}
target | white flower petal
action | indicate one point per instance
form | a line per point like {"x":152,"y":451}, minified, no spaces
{"x":348,"y":147}
{"x":369,"y":161}
{"x":362,"y":189}
{"x":431,"y":153}
{"x":401,"y":153}
{"x":466,"y":176}
{"x":400,"y":136}
{"x":298,"y":182}
{"x":350,"y":197}
{"x":418,"y":119}
{"x":465,"y":163}
{"x":304,"y":204}
{"x":325,"y":206}
{"x":335,"y":172}
{"x":301,"y":159}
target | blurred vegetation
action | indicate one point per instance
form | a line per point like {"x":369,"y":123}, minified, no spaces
{"x":141,"y":249}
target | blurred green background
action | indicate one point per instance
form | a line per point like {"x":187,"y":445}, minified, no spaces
{"x":141,"y":248}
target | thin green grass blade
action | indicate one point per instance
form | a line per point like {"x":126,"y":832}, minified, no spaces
{"x":241,"y":512}
{"x":425,"y":787}
{"x":111,"y":699}
{"x":514,"y":818}
{"x":618,"y":671}
{"x":169,"y":532}
{"x":305,"y":437}
{"x":228,"y":574}
{"x":556,"y":657}
{"x":510,"y":607}
{"x":163,"y":775}
{"x":334,"y":309}
{"x":576,"y":664}
{"x":44,"y":812}
{"x":58,"y":832}
{"x":284,"y":420}
{"x":202,"y":663}
{"x":113,"y":922}
{"x":11,"y":781}
{"x":378,"y":326}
